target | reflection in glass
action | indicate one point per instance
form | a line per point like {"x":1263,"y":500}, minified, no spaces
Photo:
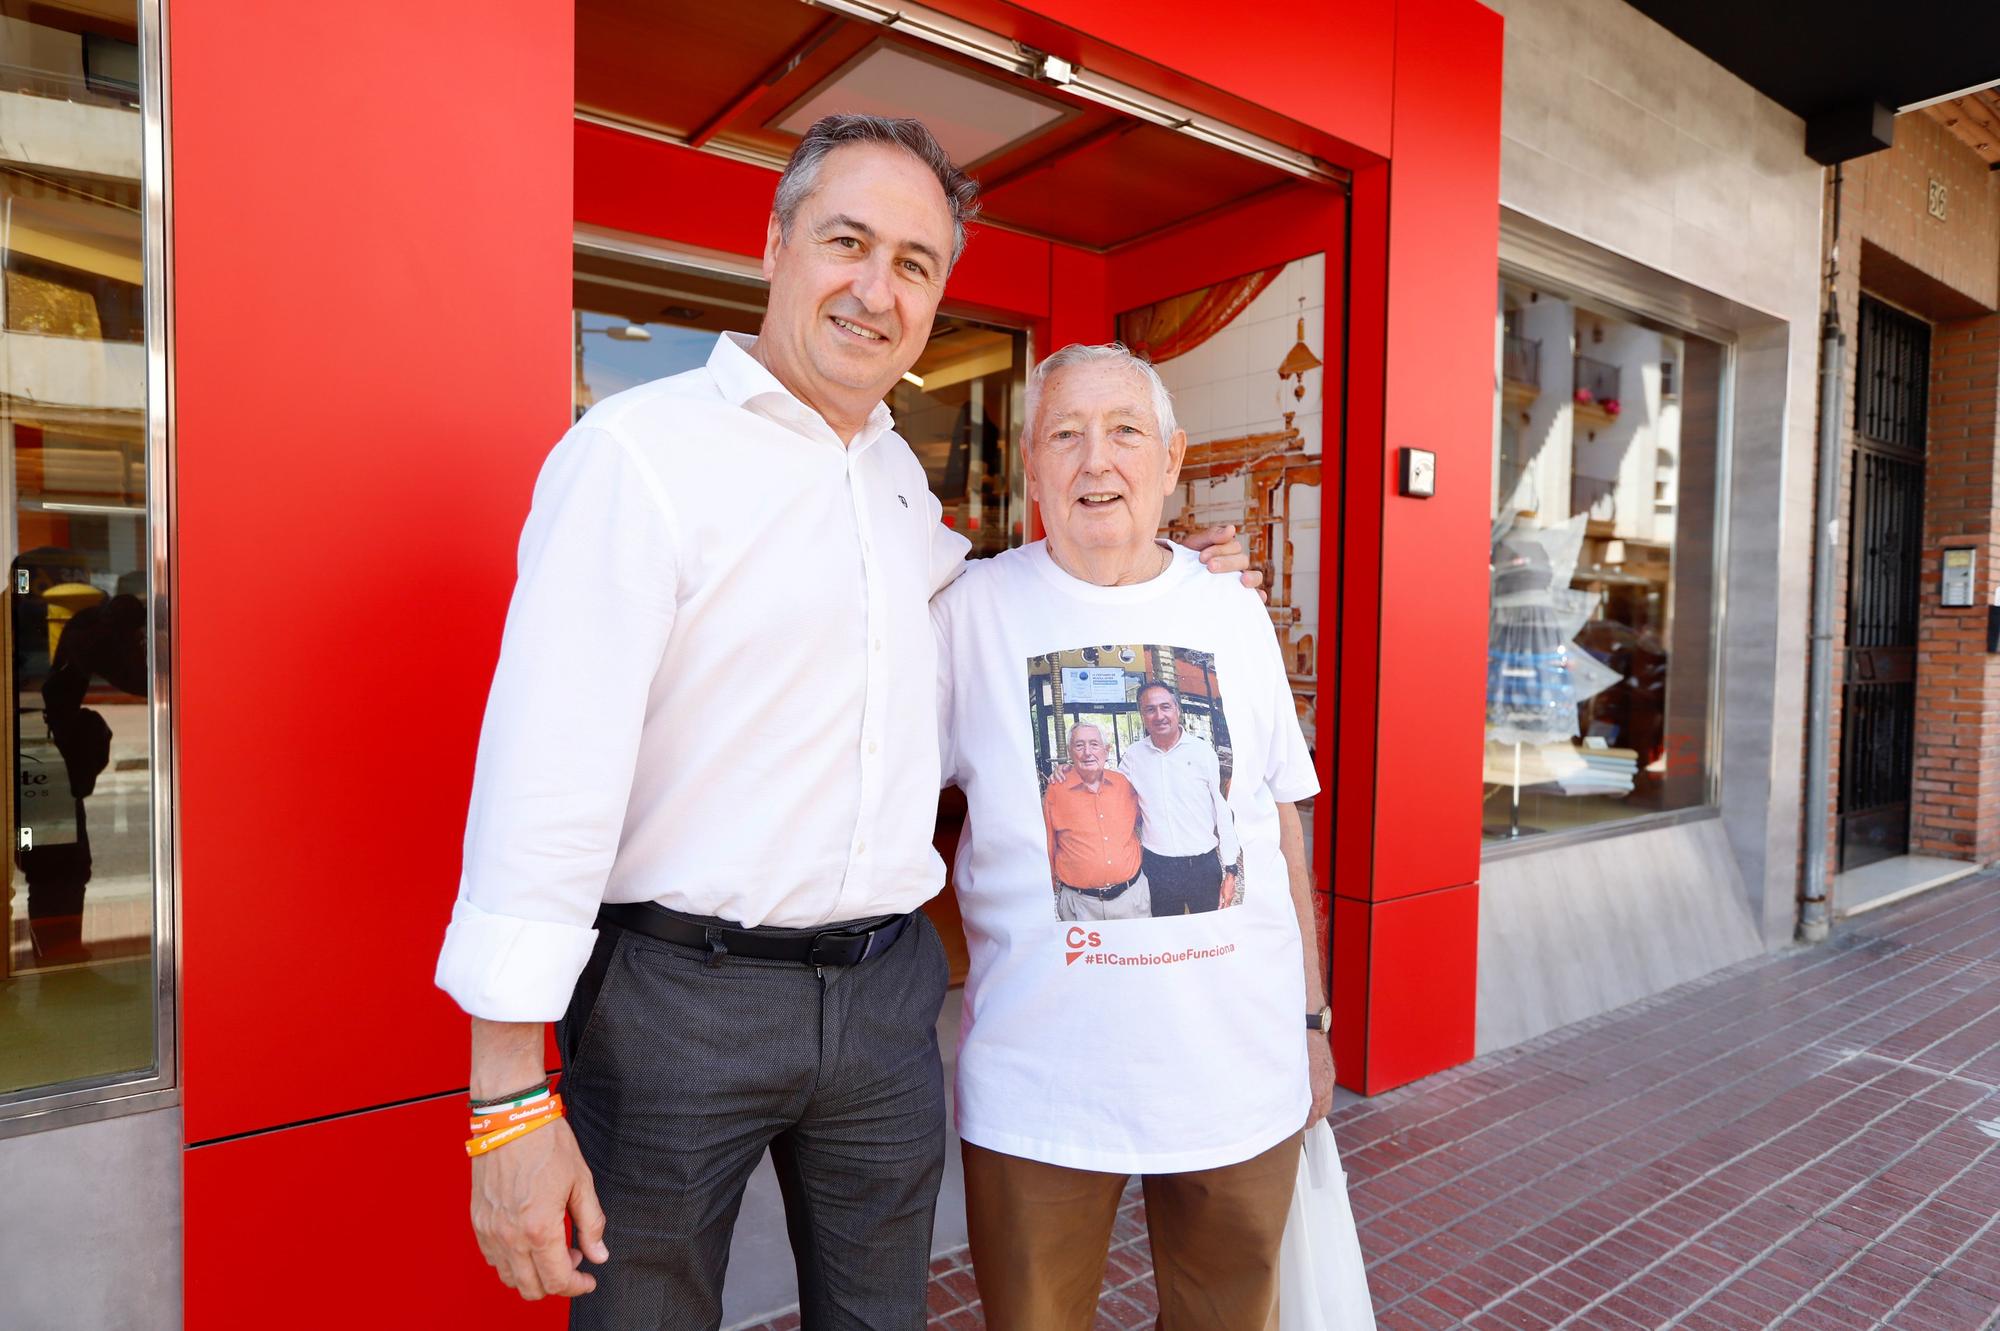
{"x":76,"y":972}
{"x":1599,"y":653}
{"x":636,"y":320}
{"x":956,"y":407}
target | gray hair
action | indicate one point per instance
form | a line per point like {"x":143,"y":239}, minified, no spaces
{"x":1108,"y":353}
{"x":801,"y":175}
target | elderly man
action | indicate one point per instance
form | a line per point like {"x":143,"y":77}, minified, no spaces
{"x":727,"y":929}
{"x":1187,"y":1049}
{"x":1190,"y":839}
{"x":1092,"y":818}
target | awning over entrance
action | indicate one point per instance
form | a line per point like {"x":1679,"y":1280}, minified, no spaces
{"x":750,"y":76}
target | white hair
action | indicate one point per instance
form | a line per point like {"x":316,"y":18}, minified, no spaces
{"x":1108,"y":353}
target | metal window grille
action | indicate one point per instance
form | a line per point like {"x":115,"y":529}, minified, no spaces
{"x":1596,"y":380}
{"x":1893,"y":385}
{"x":1521,"y":360}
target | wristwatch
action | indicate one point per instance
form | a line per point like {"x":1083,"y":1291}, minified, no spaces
{"x":1321,"y":1020}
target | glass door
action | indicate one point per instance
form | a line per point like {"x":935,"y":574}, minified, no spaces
{"x":78,"y":991}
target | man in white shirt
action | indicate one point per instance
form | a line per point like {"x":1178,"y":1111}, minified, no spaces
{"x":698,"y":837}
{"x":1188,"y":838}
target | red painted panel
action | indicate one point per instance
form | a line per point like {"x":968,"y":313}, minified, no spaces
{"x":1348,"y":992}
{"x":1352,"y":730}
{"x":1080,"y":308}
{"x":357,"y":1222}
{"x":371,"y":354}
{"x":1326,"y":64}
{"x":641,"y":185}
{"x":1003,"y":275}
{"x":1275,"y":228}
{"x":1443,"y":260}
{"x":1423,"y":968}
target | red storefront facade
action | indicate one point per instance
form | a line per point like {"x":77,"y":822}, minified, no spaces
{"x":399,"y":178}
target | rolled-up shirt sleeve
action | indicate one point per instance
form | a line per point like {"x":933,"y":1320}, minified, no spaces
{"x":592,"y":609}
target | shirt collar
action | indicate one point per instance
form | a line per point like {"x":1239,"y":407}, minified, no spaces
{"x":745,"y":383}
{"x":1074,"y":779}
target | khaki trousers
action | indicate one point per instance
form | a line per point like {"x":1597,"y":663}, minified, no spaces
{"x":1040,"y":1234}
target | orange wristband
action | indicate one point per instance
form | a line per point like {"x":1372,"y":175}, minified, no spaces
{"x":480,"y":1145}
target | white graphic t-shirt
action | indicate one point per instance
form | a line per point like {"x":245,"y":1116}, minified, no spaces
{"x":1127,"y":1010}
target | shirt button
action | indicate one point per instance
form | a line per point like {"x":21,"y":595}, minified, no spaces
{"x":878,"y":644}
{"x":871,"y":746}
{"x":861,"y":848}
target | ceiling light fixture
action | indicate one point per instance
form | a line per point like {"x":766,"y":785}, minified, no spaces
{"x":955,"y":35}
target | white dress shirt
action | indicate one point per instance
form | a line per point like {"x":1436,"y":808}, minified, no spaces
{"x":1181,"y":807}
{"x":715,"y":686}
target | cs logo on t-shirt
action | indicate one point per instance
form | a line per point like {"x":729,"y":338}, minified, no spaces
{"x":1076,"y":940}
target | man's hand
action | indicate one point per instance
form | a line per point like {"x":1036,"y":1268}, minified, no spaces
{"x":1319,"y":1060}
{"x":1222,"y":552}
{"x":520,"y":1193}
{"x":1228,"y":889}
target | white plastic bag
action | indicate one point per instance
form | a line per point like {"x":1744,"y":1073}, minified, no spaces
{"x":1322,"y":1285}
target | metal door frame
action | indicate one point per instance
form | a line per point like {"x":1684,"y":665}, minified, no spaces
{"x":1884,"y":585}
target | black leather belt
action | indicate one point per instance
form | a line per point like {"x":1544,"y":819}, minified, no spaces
{"x":1111,"y":893}
{"x":848,"y":945}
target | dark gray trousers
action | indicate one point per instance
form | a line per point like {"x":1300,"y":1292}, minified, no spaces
{"x":679,"y":1074}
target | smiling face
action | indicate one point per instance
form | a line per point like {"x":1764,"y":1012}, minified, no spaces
{"x":1160,"y":710}
{"x":855,"y":285}
{"x":1098,"y":466}
{"x":1086,"y":753}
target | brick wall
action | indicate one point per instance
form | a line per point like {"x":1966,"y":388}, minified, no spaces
{"x":1889,"y":194}
{"x":1947,"y":272}
{"x":1956,"y":806}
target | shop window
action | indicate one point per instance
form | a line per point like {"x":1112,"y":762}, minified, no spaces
{"x":1600,"y":656}
{"x":79,"y":970}
{"x":637,"y":319}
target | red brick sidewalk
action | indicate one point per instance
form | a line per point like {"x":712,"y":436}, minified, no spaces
{"x":1803,"y":1141}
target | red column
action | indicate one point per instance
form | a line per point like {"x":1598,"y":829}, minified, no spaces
{"x":371,"y":259}
{"x":1426,"y":239}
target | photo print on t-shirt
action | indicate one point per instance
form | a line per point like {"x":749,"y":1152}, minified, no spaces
{"x":1132,"y":754}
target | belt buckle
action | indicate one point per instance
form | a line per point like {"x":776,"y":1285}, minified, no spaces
{"x":844,"y":956}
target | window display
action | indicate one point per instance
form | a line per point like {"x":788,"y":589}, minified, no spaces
{"x":78,"y":978}
{"x":1599,"y":660}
